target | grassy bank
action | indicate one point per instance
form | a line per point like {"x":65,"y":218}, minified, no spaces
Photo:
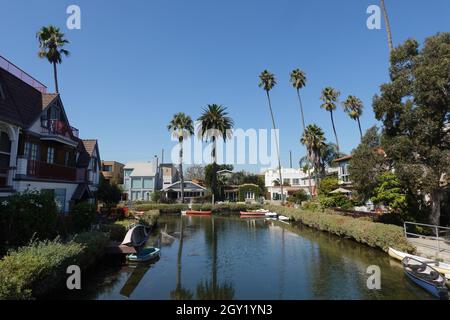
{"x":226,"y":208}
{"x":362,"y":230}
{"x":37,"y":269}
{"x":118,"y":229}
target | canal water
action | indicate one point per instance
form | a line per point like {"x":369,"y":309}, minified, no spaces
{"x":234,"y":258}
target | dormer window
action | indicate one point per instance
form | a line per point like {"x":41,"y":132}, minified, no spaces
{"x":55,"y":113}
{"x":2,"y":92}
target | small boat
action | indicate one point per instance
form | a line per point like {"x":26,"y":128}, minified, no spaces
{"x":252,"y":214}
{"x":198,"y":213}
{"x":426,"y":277}
{"x":283,"y":218}
{"x":271,"y":214}
{"x":441,"y":267}
{"x":136,"y":236}
{"x":144,"y":255}
{"x":184,"y":212}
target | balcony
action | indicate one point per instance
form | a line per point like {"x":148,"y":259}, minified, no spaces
{"x":59,"y":131}
{"x":44,"y":170}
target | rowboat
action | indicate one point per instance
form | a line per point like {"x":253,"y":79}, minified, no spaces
{"x":136,"y":236}
{"x":252,"y":214}
{"x":198,"y":213}
{"x":143,"y":255}
{"x":283,"y":218}
{"x":426,"y":277}
{"x":441,"y":267}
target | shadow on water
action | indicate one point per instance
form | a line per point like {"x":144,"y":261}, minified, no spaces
{"x":232,"y":258}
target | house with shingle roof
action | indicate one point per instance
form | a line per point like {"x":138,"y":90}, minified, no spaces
{"x":39,"y":149}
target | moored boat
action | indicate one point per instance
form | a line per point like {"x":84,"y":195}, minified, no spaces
{"x":198,"y":213}
{"x":144,"y":255}
{"x":441,"y":267}
{"x":283,"y":218}
{"x":252,"y":214}
{"x":426,"y":277}
{"x":136,"y":236}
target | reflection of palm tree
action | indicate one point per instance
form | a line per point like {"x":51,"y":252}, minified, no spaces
{"x":180,"y":293}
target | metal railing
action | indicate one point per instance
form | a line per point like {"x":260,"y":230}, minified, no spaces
{"x":440,"y":237}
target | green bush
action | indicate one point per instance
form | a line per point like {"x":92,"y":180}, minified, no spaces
{"x":243,"y":189}
{"x":373,"y":234}
{"x":150,"y":218}
{"x":83,"y":214}
{"x":37,"y":269}
{"x":116,"y":230}
{"x":26,"y":215}
{"x":163,"y":208}
{"x":298,"y":197}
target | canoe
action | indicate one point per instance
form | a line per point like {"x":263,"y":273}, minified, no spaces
{"x":441,"y":267}
{"x":426,"y":277}
{"x":198,"y":213}
{"x":143,"y":255}
{"x":136,"y":236}
{"x":253,"y":214}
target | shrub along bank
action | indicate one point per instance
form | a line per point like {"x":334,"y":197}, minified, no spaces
{"x":35,"y":270}
{"x":226,"y":208}
{"x":373,"y":234}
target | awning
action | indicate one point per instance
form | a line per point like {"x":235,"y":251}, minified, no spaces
{"x":341,"y":190}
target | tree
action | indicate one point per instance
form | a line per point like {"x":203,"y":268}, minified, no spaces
{"x":195,"y":172}
{"x":109,"y":194}
{"x":314,"y":140}
{"x":51,"y":43}
{"x":298,"y":197}
{"x":366,"y":164}
{"x":354,"y":107}
{"x":327,"y":185}
{"x":298,"y":80}
{"x":329,"y":153}
{"x":330,"y":97}
{"x":389,"y":192}
{"x":267,"y":82}
{"x":388,"y":26}
{"x":215,"y":123}
{"x":181,"y":127}
{"x":415,"y":110}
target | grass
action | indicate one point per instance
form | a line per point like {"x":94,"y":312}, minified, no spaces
{"x":365,"y":231}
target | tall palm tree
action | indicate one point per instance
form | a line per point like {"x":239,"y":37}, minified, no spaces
{"x":330,"y":97}
{"x":267,"y":82}
{"x":354,"y":108}
{"x":388,"y":26}
{"x":298,"y":80}
{"x":314,"y":140}
{"x":181,"y":127}
{"x":51,"y":43}
{"x":215,"y":123}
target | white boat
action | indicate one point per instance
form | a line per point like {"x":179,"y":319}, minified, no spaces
{"x":283,"y":218}
{"x":136,"y":236}
{"x":271,"y":214}
{"x":184,"y":212}
{"x":441,"y":267}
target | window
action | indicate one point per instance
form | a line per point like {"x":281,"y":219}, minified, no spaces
{"x":148,"y":183}
{"x":31,"y":151}
{"x":107,"y":168}
{"x":54,"y":113}
{"x":286,"y":181}
{"x":51,"y":155}
{"x":127,"y":172}
{"x":295,"y":182}
{"x":136,"y":183}
{"x":66,"y":158}
{"x":249,"y":195}
{"x":2,"y":93}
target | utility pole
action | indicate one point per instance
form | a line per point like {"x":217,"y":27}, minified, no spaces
{"x":290,"y":158}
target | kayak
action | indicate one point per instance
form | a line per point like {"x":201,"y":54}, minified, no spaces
{"x":426,"y":277}
{"x":143,"y":255}
{"x":198,"y":213}
{"x":441,"y":267}
{"x":252,"y":214}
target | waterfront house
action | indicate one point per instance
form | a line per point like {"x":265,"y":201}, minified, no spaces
{"x":140,"y":180}
{"x":168,"y":174}
{"x":191,"y":191}
{"x":343,"y":173}
{"x":39,"y":149}
{"x":112,"y":172}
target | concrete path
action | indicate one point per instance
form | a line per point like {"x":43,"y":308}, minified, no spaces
{"x":428,"y":248}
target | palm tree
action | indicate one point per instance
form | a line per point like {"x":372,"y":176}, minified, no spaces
{"x":330,"y":97}
{"x":388,"y":26}
{"x":51,"y":43}
{"x":314,"y":140}
{"x":267,"y":82}
{"x":215,"y":123}
{"x":354,"y":108}
{"x":181,"y":127}
{"x":298,"y":80}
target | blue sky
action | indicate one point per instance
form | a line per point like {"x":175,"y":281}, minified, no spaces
{"x":136,"y":63}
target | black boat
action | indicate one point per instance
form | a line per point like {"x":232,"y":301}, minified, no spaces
{"x":426,"y":277}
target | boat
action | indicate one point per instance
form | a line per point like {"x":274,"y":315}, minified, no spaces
{"x":253,"y":214}
{"x":183,"y":212}
{"x":271,"y":214}
{"x":198,"y":213}
{"x":426,"y":277}
{"x":136,"y":236}
{"x":144,"y":255}
{"x":283,"y":218}
{"x":441,"y":267}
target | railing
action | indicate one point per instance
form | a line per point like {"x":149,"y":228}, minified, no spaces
{"x":58,"y":127}
{"x":46,"y":170}
{"x":437,"y":237}
{"x":22,"y":75}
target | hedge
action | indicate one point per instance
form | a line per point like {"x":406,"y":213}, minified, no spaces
{"x":163,"y":208}
{"x":37,"y":269}
{"x":373,"y":234}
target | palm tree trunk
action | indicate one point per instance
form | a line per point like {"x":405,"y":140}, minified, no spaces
{"x":276,"y":144}
{"x":180,"y":253}
{"x":359,"y":126}
{"x":304,"y":129}
{"x":334,"y":130}
{"x":388,"y":26}
{"x":181,"y":171}
{"x":55,"y":75}
{"x":214,"y":169}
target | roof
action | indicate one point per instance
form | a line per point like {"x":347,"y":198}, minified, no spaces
{"x":89,"y":145}
{"x":141,"y":169}
{"x":343,"y":158}
{"x":86,"y":149}
{"x":173,"y":186}
{"x":81,"y":189}
{"x":47,"y":99}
